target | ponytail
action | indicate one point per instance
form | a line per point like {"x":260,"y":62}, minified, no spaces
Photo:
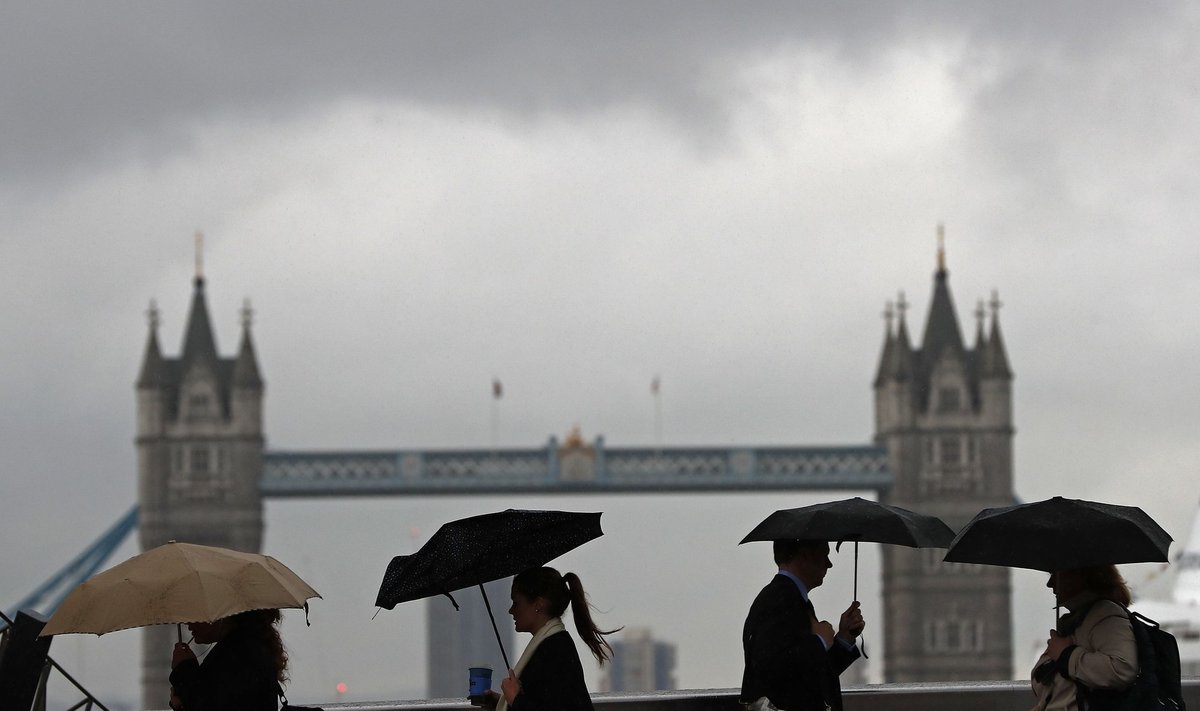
{"x":592,"y":635}
{"x":559,"y":591}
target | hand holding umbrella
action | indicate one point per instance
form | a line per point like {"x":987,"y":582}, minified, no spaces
{"x":851,"y":624}
{"x":854,"y":519}
{"x":1064,"y":537}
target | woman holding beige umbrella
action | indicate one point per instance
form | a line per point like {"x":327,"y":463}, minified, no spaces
{"x":244,"y":669}
{"x":227,"y":598}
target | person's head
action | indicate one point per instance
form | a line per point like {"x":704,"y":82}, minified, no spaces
{"x":807,"y":560}
{"x":1102,"y":580}
{"x":258,"y":625}
{"x":543,"y":588}
{"x":541,"y":594}
{"x":532,"y":591}
{"x":211,"y":632}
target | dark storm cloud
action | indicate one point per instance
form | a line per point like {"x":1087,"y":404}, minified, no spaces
{"x":87,"y":82}
{"x":449,"y":192}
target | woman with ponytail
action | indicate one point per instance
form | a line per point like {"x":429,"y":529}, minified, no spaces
{"x":549,"y":675}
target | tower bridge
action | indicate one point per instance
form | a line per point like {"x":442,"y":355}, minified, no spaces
{"x":942,"y":445}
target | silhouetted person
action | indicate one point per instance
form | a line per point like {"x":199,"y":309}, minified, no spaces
{"x":792,"y":659}
{"x":549,"y":675}
{"x":1093,"y":652}
{"x":243,"y":670}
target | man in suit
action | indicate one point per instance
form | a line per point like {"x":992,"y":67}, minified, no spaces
{"x":792,"y":659}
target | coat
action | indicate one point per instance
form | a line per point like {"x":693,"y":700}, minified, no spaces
{"x":238,"y":674}
{"x":785,"y":660}
{"x":1103,"y":656}
{"x":552,"y":679}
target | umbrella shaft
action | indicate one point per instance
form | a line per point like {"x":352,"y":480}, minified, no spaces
{"x":495,"y":629}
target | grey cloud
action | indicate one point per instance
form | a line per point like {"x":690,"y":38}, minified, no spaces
{"x":84,"y":83}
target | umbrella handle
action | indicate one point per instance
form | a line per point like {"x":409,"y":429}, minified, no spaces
{"x":862,"y":643}
{"x":495,"y":629}
{"x":179,"y":631}
{"x":855,"y":572}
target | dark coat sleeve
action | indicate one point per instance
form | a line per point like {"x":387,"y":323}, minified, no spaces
{"x":785,"y":661}
{"x":552,"y":679}
{"x":234,"y":676}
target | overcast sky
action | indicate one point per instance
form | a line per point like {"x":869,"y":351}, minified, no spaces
{"x":419,"y":198}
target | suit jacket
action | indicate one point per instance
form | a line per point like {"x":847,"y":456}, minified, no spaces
{"x":785,"y":660}
{"x":552,"y":679}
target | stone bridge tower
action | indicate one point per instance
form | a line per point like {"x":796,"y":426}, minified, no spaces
{"x":944,"y":412}
{"x":200,"y":450}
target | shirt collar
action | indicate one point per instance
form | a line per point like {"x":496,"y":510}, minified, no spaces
{"x":799,"y":583}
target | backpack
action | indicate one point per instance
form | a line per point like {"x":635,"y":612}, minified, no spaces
{"x":1158,"y":685}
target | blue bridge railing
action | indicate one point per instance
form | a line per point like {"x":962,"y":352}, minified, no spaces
{"x":574,"y":468}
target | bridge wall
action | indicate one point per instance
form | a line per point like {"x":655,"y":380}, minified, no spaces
{"x":934,"y":696}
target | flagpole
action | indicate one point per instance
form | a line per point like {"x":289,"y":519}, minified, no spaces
{"x":656,"y":391}
{"x":493,"y":427}
{"x":497,"y":393}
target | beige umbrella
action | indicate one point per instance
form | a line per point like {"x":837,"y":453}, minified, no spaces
{"x":176,"y":583}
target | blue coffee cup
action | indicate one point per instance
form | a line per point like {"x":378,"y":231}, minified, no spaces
{"x":481,"y":681}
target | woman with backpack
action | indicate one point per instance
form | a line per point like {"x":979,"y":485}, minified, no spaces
{"x":1092,"y":655}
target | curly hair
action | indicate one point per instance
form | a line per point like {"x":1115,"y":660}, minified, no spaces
{"x":261,"y":626}
{"x":1107,"y":581}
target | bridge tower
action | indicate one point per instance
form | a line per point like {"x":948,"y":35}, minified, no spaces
{"x":200,"y":452}
{"x":944,"y":413}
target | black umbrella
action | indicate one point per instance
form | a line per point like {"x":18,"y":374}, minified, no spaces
{"x":477,"y":550}
{"x":1060,"y":534}
{"x":855,"y":519}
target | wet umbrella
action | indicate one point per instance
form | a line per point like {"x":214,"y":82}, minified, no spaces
{"x":855,"y":519}
{"x":472,"y":551}
{"x":177,"y":583}
{"x":1060,"y":534}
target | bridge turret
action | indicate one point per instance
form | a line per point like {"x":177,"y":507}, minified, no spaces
{"x":151,"y":378}
{"x":200,"y":451}
{"x":894,"y":382}
{"x":945,"y":418}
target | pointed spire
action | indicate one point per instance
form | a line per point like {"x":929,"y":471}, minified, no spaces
{"x":995,"y":358}
{"x":199,"y":256}
{"x":889,"y":346}
{"x":198,"y":341}
{"x":153,"y":372}
{"x":941,"y":252}
{"x":941,"y":328}
{"x":980,"y":313}
{"x":902,"y":368}
{"x":245,"y":368}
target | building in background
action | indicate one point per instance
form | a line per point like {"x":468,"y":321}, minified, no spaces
{"x":639,"y":663}
{"x":944,"y":413}
{"x":200,"y":456}
{"x":460,"y":639}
